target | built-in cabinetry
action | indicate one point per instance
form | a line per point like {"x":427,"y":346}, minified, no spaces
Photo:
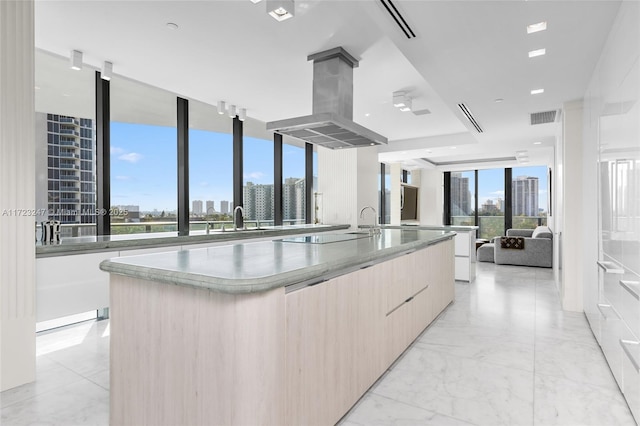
{"x":612,"y":113}
{"x":185,"y":354}
{"x":342,"y":334}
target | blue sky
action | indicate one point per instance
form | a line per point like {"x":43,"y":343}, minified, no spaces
{"x":144,"y":170}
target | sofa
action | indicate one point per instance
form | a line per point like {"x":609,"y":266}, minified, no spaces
{"x":533,"y":248}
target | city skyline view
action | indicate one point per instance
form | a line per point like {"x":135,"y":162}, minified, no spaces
{"x":143,"y":165}
{"x":491,"y":183}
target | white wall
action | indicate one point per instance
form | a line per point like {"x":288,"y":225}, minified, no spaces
{"x":347,"y":179}
{"x":431,"y":197}
{"x":17,"y":192}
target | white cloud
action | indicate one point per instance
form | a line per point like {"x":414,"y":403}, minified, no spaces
{"x":132,"y":157}
{"x":500,"y":192}
{"x":254,"y":175}
{"x":114,"y":150}
{"x":123,"y":177}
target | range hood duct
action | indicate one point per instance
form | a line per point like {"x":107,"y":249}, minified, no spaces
{"x":331,"y":123}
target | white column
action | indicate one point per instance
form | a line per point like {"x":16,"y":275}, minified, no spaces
{"x":17,"y":194}
{"x":348,"y":181}
{"x":572,"y":205}
{"x":430,"y":197}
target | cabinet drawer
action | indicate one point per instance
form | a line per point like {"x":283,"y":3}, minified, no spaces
{"x":631,"y":372}
{"x":629,"y":306}
{"x":609,"y":277}
{"x":610,"y":334}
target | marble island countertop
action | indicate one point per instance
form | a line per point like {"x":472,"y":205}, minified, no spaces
{"x":260,"y":266}
{"x":92,"y":244}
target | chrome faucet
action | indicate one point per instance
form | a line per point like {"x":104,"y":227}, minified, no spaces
{"x":235,"y":227}
{"x":208,"y":224}
{"x":375,"y":229}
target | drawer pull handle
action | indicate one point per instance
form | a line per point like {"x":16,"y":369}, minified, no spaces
{"x":625,"y":347}
{"x":609,"y":267}
{"x":602,"y":306}
{"x":409,"y":300}
{"x":628,"y":285}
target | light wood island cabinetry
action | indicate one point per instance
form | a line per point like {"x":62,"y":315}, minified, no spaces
{"x":183,"y":354}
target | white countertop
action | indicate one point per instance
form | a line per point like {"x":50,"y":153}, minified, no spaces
{"x":259,"y":266}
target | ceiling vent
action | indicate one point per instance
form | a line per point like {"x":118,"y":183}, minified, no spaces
{"x":545,"y":117}
{"x":397,"y":17}
{"x":470,"y":117}
{"x":463,"y":162}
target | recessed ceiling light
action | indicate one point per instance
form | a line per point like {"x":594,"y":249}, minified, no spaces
{"x":367,"y":115}
{"x":453,"y":147}
{"x":66,"y":95}
{"x":521,"y":153}
{"x":280,"y":10}
{"x":538,"y":52}
{"x":372,"y":144}
{"x":537,"y":91}
{"x":172,"y":26}
{"x":498,"y":100}
{"x":534,"y":28}
{"x":537,"y":143}
{"x":255,"y":1}
{"x":428,"y":151}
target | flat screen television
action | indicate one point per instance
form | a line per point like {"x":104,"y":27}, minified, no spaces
{"x":408,"y":203}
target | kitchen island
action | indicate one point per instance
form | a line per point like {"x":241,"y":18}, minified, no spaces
{"x":290,"y":331}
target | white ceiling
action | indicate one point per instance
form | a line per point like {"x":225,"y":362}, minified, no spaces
{"x":465,"y":51}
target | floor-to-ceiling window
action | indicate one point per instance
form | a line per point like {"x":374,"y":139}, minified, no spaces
{"x":529,"y":197}
{"x":463,"y":198}
{"x":143,"y":158}
{"x":210,"y":167}
{"x":491,"y":207}
{"x":293,"y":185}
{"x":257,"y":181}
{"x":65,"y":145}
{"x":480,"y":197}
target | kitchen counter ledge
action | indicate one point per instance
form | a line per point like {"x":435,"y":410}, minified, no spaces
{"x":96,"y":244}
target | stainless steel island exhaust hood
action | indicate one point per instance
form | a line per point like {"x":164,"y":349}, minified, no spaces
{"x":331,"y":124}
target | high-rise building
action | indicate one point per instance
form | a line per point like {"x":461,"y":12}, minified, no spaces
{"x":224,"y":207}
{"x":258,"y":201}
{"x":293,"y":199}
{"x":196,"y":207}
{"x":489,"y":208}
{"x":524,"y":193}
{"x":65,"y":158}
{"x":210,"y":207}
{"x":460,"y":196}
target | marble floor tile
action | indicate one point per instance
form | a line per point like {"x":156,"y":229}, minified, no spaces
{"x":80,"y":403}
{"x":493,"y":345}
{"x":50,"y":375}
{"x":376,"y":410}
{"x":466,"y":389}
{"x":559,"y":401}
{"x":579,"y":361}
